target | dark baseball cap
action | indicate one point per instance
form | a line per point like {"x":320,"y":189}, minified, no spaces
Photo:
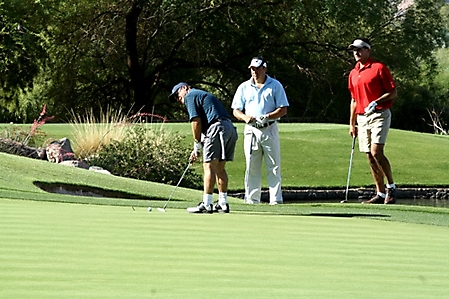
{"x":175,"y":89}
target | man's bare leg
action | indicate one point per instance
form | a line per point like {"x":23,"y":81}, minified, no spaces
{"x":377,"y":150}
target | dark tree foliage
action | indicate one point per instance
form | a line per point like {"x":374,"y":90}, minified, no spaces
{"x":129,"y":53}
{"x":22,"y":54}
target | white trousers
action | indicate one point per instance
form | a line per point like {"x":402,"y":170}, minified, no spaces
{"x":262,"y":145}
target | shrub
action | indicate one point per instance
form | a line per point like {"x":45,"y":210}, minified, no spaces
{"x":21,"y":135}
{"x":32,"y":138}
{"x":148,"y":154}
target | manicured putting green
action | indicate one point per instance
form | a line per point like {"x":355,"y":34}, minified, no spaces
{"x":55,"y":250}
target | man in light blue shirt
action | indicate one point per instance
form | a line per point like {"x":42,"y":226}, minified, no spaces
{"x":260,"y":102}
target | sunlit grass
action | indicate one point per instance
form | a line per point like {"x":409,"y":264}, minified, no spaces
{"x":53,"y":249}
{"x":317,"y":155}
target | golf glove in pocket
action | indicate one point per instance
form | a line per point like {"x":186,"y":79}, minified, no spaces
{"x":371,"y":108}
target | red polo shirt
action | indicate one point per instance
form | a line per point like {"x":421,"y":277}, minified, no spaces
{"x":369,"y":83}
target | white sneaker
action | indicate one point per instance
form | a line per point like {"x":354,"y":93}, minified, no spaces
{"x":273,"y":203}
{"x":251,"y":202}
{"x":218,"y":208}
{"x":201,"y":208}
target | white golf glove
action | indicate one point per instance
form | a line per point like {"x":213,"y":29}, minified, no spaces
{"x":263,"y":119}
{"x":197,"y":147}
{"x":371,"y":108}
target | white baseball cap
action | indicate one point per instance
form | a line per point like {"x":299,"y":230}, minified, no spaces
{"x":358,"y":43}
{"x":257,"y":62}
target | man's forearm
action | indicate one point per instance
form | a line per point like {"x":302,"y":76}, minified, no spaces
{"x":278,"y":113}
{"x":196,"y":128}
{"x":352,"y":114}
{"x":388,"y":96}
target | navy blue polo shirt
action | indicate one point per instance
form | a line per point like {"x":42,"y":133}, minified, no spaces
{"x":204,"y":105}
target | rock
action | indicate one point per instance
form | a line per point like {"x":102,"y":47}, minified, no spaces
{"x":99,"y":169}
{"x":60,"y":150}
{"x":75,"y":163}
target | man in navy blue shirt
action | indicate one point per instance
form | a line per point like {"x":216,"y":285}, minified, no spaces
{"x":214,"y":133}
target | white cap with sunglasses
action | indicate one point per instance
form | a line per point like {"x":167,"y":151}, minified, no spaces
{"x":358,"y":43}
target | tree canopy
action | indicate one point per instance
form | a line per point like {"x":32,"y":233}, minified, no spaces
{"x":77,"y":55}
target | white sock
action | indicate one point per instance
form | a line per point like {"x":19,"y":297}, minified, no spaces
{"x":222,"y":198}
{"x":391,"y":186}
{"x":207,"y":199}
{"x":381,"y":194}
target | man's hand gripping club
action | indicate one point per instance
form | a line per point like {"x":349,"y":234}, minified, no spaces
{"x":263,"y":119}
{"x":197,"y":147}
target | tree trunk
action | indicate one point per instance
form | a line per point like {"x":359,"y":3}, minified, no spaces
{"x":136,"y":72}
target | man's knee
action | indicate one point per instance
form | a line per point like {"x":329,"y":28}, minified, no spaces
{"x":377,"y":151}
{"x":378,"y":156}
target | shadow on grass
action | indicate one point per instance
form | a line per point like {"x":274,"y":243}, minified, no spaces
{"x":318,"y":214}
{"x":344,"y":215}
{"x":83,"y":190}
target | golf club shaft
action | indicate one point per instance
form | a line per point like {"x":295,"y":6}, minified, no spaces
{"x":179,"y":182}
{"x":350,"y":167}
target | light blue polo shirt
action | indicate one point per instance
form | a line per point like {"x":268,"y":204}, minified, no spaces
{"x":257,"y":102}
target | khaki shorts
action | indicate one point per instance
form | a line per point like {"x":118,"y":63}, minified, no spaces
{"x":373,"y":129}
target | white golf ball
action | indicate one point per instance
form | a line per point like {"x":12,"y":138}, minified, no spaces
{"x":150,"y":209}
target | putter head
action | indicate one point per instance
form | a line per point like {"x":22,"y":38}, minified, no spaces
{"x":344,"y":201}
{"x":161,"y":210}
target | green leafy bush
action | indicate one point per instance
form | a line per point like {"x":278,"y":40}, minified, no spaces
{"x":148,"y":154}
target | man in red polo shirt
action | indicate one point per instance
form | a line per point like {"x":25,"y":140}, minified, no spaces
{"x":372,"y":90}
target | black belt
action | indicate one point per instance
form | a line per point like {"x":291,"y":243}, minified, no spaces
{"x":260,"y":126}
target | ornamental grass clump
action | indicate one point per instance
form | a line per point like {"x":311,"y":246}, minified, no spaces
{"x":90,"y":132}
{"x":148,"y":153}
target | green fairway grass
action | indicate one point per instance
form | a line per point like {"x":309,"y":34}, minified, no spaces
{"x":66,"y":246}
{"x":55,"y":250}
{"x":317,"y":155}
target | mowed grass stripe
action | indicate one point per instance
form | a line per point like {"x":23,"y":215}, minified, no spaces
{"x":52,"y":250}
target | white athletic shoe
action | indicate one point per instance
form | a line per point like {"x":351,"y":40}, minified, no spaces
{"x":218,"y":208}
{"x":251,"y":202}
{"x":273,"y":203}
{"x":201,"y":208}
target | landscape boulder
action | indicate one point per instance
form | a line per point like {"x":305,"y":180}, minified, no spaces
{"x":60,"y":151}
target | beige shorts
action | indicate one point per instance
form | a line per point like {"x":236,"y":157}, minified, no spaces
{"x":373,"y":129}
